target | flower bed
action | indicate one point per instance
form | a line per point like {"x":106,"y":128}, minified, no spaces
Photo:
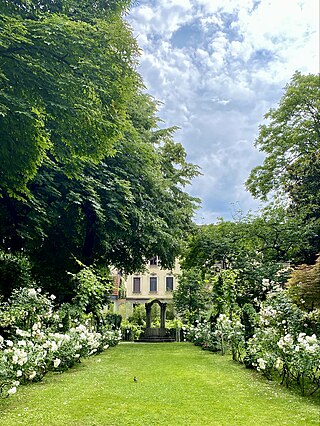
{"x":37,"y":338}
{"x":285,"y":342}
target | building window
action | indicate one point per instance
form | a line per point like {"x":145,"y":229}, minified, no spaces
{"x":136,"y":285}
{"x":153,"y":261}
{"x":169,"y":283}
{"x":153,"y":284}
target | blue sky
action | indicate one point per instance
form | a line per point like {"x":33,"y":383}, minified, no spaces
{"x":217,"y":66}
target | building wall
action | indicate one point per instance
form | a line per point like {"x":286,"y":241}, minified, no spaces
{"x":134,"y":296}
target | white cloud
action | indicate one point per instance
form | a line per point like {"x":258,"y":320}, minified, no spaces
{"x":218,"y":66}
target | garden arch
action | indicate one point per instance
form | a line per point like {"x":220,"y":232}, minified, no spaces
{"x":163,"y":307}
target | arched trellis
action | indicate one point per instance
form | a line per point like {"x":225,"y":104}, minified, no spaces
{"x":163,"y":307}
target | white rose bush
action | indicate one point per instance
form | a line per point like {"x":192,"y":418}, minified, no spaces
{"x":201,"y":334}
{"x":225,"y":335}
{"x":285,"y":342}
{"x":34,"y":339}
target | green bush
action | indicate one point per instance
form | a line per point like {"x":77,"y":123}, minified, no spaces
{"x":15,"y":272}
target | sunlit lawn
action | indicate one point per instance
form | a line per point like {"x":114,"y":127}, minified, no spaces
{"x":178,"y":384}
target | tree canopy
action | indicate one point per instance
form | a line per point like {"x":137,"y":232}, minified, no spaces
{"x":259,"y":249}
{"x":87,"y":175}
{"x":291,"y":142}
{"x":67,"y":73}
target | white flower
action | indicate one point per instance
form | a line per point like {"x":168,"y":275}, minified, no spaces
{"x":32,"y":292}
{"x":12,"y":391}
{"x":278,"y":363}
{"x":54,"y":346}
{"x":9,"y":343}
{"x":56,"y":362}
{"x":311,"y":339}
{"x":35,"y":326}
{"x":52,"y":297}
{"x":22,"y":333}
{"x":19,"y":373}
{"x":262,"y":363}
{"x":311,"y":348}
{"x":288,"y":338}
{"x":22,"y":343}
{"x":19,"y":357}
{"x":32,"y":375}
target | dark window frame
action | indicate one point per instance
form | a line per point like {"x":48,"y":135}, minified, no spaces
{"x":136,"y":285}
{"x":153,"y":284}
{"x":153,"y":261}
{"x":169,"y":288}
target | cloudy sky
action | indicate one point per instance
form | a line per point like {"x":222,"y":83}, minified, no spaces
{"x":218,"y":66}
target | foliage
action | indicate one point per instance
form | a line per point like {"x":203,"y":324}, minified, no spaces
{"x":138,"y":315}
{"x":67,"y":77}
{"x":249,"y":319}
{"x":92,"y":291}
{"x":15,"y":272}
{"x":284,"y":342}
{"x":304,"y":286}
{"x":112,"y":214}
{"x":223,"y":292}
{"x":258,"y":250}
{"x":131,"y":330}
{"x":34,"y":339}
{"x":191,"y":295}
{"x":86,"y":172}
{"x":291,"y":137}
{"x":291,"y":141}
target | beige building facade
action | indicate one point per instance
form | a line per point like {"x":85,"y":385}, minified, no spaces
{"x":142,"y":287}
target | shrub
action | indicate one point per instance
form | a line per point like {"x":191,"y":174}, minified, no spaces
{"x":283,"y":343}
{"x":15,"y":272}
{"x":37,"y":341}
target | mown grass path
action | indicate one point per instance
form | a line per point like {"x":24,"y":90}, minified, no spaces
{"x":178,"y":384}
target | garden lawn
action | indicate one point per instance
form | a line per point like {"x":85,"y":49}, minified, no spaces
{"x":178,"y":384}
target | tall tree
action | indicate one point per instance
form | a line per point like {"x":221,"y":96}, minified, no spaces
{"x":258,"y":249}
{"x":67,"y":74}
{"x":86,"y":174}
{"x":291,"y":141}
{"x":121,"y":211}
{"x":191,"y":296}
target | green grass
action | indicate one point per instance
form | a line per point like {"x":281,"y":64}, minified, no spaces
{"x":178,"y":384}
